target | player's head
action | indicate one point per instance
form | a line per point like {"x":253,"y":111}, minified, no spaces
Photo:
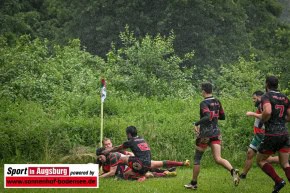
{"x":107,"y":143}
{"x":257,"y":97}
{"x":101,"y":158}
{"x":131,"y":131}
{"x":206,"y":88}
{"x":272,"y":83}
{"x":99,"y":151}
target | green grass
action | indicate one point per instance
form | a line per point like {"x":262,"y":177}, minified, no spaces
{"x":214,"y":179}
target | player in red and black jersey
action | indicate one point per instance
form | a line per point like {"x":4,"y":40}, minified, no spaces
{"x":275,"y":113}
{"x":122,"y":159}
{"x":208,"y":133}
{"x":112,"y":163}
{"x":141,"y":162}
{"x":107,"y":170}
{"x":259,"y":131}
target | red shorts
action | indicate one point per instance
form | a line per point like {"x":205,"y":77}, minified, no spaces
{"x":204,"y":142}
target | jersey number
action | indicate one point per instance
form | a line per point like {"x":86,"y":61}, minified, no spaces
{"x":213,"y":114}
{"x":143,"y":146}
{"x":281,"y":109}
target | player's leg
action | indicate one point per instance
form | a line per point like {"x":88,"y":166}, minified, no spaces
{"x":267,"y":168}
{"x":283,"y":157}
{"x":216,"y":151}
{"x":267,"y":148}
{"x":168,"y":163}
{"x":196,"y":167}
{"x":270,"y":171}
{"x":248,"y":163}
{"x":273,"y":159}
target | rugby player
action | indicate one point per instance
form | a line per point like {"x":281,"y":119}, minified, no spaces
{"x":107,"y":169}
{"x":115,"y":159}
{"x":275,"y":113}
{"x":208,"y":134}
{"x":141,"y":162}
{"x":259,"y":131}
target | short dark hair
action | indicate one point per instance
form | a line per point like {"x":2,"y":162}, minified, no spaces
{"x":258,"y":93}
{"x":99,"y":151}
{"x":207,"y":87}
{"x":132,"y":130}
{"x":272,"y":82}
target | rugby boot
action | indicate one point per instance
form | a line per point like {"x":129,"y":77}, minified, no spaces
{"x":236,"y":177}
{"x":279,"y":186}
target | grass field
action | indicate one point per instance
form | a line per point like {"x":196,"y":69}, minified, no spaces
{"x":214,"y":179}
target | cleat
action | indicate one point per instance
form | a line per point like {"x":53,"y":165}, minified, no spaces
{"x":170,"y":174}
{"x":190,"y":186}
{"x":279,"y":186}
{"x":243,"y":176}
{"x":236,"y":177}
{"x":186,"y":163}
{"x":173,"y":169}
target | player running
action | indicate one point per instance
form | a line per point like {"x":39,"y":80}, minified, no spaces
{"x":276,"y":111}
{"x":259,"y":132}
{"x":208,"y":133}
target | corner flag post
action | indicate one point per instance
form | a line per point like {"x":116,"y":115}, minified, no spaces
{"x":103,"y":96}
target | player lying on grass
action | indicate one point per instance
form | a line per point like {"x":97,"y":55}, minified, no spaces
{"x":119,"y":169}
{"x":115,"y":160}
{"x":139,"y":164}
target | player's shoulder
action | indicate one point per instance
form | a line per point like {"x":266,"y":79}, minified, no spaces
{"x":113,"y":157}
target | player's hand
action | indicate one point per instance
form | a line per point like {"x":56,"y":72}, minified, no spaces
{"x":196,"y":130}
{"x":106,"y":151}
{"x":250,"y":113}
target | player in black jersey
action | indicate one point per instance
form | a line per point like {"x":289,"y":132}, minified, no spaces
{"x":106,"y":167}
{"x":118,"y":165}
{"x":111,"y":164}
{"x":141,"y":162}
{"x":208,"y":133}
{"x":275,"y":114}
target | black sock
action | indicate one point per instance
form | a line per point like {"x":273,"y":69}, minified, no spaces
{"x":193,"y":182}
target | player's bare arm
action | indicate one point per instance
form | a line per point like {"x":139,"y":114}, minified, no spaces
{"x":110,"y":173}
{"x":288,"y":115}
{"x":114,"y":149}
{"x":267,"y":110}
{"x":253,"y":114}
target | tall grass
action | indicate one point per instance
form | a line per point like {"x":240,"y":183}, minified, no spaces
{"x":33,"y":133}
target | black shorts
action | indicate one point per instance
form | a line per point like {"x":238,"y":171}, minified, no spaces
{"x":272,"y":144}
{"x":120,"y":170}
{"x":138,"y":166}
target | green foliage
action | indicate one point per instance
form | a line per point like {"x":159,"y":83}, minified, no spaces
{"x":151,"y":63}
{"x":239,"y":79}
{"x":50,"y":100}
{"x":32,"y":71}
